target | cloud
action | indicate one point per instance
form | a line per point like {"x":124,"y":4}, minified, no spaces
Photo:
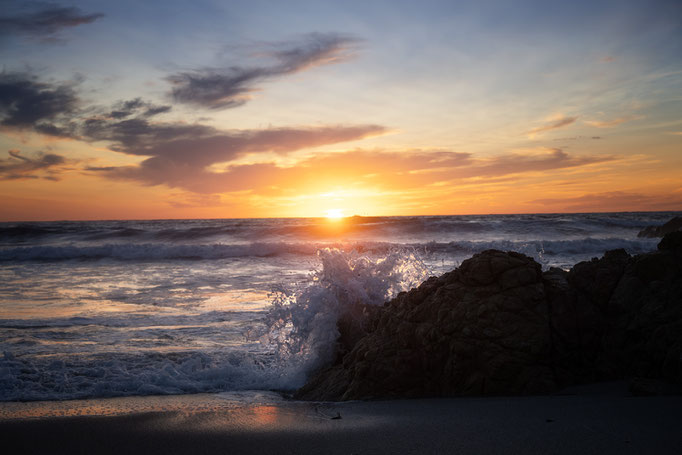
{"x":17,"y":166}
{"x":40,"y":20}
{"x":218,"y":88}
{"x":575,"y":138}
{"x":317,"y":171}
{"x":610,"y":123}
{"x":55,"y":109}
{"x":547,"y":159}
{"x":179,"y":155}
{"x":614,"y":201}
{"x":412,"y":169}
{"x":189,"y":156}
{"x":553,"y":125}
{"x":177,"y":152}
{"x":206,"y":145}
{"x":26,"y":102}
{"x":136,"y":106}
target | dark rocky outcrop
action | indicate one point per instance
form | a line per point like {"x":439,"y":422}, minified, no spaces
{"x":659,"y":231}
{"x":499,"y":325}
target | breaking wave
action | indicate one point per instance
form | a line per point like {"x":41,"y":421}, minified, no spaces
{"x":294,"y":336}
{"x":169,"y":251}
{"x":302,"y":325}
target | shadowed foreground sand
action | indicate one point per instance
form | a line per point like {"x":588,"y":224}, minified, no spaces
{"x":594,"y":420}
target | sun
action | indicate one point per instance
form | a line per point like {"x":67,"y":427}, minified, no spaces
{"x":334,"y":214}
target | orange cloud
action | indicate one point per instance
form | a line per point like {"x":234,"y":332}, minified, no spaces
{"x":609,"y":123}
{"x":553,"y":125}
{"x":405,"y":170}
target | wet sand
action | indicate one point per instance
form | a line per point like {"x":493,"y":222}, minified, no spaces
{"x":594,"y":420}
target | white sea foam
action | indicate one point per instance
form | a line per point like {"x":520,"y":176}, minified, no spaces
{"x":299,"y":333}
{"x":302,"y":325}
{"x":115,"y":374}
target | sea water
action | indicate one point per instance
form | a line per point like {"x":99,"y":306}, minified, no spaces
{"x":118,"y":308}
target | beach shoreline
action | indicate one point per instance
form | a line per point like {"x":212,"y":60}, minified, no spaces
{"x":599,"y":419}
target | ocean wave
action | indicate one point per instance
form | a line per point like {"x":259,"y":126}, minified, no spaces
{"x":302,"y":323}
{"x":298,"y":333}
{"x":298,"y":229}
{"x":114,"y":374}
{"x":128,"y":321}
{"x":213,"y":251}
{"x":151,"y":251}
{"x":281,"y":346}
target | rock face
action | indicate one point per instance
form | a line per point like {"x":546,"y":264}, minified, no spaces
{"x":659,"y":231}
{"x":499,"y":325}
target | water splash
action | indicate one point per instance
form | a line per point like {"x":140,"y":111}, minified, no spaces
{"x":302,"y":324}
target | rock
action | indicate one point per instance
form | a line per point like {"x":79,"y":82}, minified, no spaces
{"x":644,"y":336}
{"x":498,"y":325}
{"x":672,"y":242}
{"x":595,"y":280}
{"x":673,"y":225}
{"x":482,"y":329}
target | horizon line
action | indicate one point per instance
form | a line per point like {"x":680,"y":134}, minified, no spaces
{"x":344,"y":217}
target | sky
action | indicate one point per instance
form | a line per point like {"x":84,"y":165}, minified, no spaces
{"x":235,"y":109}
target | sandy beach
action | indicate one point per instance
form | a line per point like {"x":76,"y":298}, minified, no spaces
{"x":591,"y":420}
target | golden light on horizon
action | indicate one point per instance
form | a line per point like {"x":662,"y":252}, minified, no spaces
{"x":334,"y":214}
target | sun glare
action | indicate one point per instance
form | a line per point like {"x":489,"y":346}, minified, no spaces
{"x":334,"y":214}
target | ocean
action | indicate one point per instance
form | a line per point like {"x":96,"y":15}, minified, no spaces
{"x":119,"y":308}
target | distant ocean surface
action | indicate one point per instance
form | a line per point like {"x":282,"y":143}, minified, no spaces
{"x":116,"y":308}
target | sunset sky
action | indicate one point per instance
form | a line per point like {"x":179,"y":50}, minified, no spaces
{"x":224,"y":109}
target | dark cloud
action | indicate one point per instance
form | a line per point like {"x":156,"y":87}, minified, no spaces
{"x":179,"y":155}
{"x":553,"y":125}
{"x":184,"y":155}
{"x":54,"y":109}
{"x":128,"y":127}
{"x":139,"y":136}
{"x":26,"y":102}
{"x":137,"y":107}
{"x":17,"y":166}
{"x":39,"y":19}
{"x":205,"y":144}
{"x":218,"y":88}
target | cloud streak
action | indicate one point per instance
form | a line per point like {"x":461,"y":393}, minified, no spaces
{"x":548,"y":159}
{"x":404,"y":170}
{"x":40,"y":20}
{"x":17,"y":166}
{"x":219,"y":88}
{"x":609,"y":123}
{"x":614,"y":201}
{"x":553,"y":125}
